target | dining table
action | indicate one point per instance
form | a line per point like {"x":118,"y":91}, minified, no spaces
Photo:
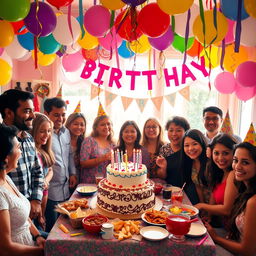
{"x":60,"y":243}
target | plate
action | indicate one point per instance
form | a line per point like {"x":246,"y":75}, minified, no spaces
{"x":151,"y":223}
{"x":86,"y":190}
{"x":154,"y":233}
{"x":197,"y":229}
{"x":184,"y":209}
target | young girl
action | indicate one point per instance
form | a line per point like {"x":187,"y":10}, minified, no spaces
{"x":42,"y":133}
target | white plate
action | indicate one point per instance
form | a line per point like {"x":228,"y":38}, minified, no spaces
{"x":197,"y":229}
{"x":186,"y":206}
{"x":154,"y":233}
{"x":86,"y":190}
{"x":151,"y":223}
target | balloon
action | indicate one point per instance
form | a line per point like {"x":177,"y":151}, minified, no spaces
{"x":72,"y":62}
{"x":250,"y":7}
{"x":233,"y":59}
{"x":61,"y":51}
{"x":153,"y":21}
{"x":26,"y":41}
{"x":230,"y":7}
{"x":88,"y":42}
{"x":225,"y":82}
{"x":179,"y":43}
{"x":211,"y":56}
{"x":25,"y":57}
{"x":195,"y":49}
{"x":248,"y":38}
{"x":110,"y":39}
{"x":14,"y":10}
{"x":245,"y":74}
{"x":90,"y":54}
{"x":244,"y":93}
{"x":162,"y":42}
{"x":1,"y":51}
{"x":44,"y":59}
{"x":97,"y":20}
{"x":6,"y":33}
{"x":211,"y":35}
{"x":73,"y":48}
{"x":19,"y":27}
{"x":141,"y":45}
{"x":15,"y":50}
{"x":127,"y":25}
{"x":62,"y":32}
{"x":112,"y":4}
{"x":41,"y":20}
{"x":48,"y":44}
{"x":124,"y":51}
{"x":59,"y":3}
{"x":181,"y":19}
{"x":174,"y":6}
{"x":134,"y":2}
{"x":5,"y":72}
{"x":6,"y":58}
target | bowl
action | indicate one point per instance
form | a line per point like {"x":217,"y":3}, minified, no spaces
{"x":86,"y":190}
{"x":93,"y":223}
{"x":158,"y":188}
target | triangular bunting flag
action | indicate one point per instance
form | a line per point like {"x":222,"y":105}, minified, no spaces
{"x":78,"y":107}
{"x":59,"y":94}
{"x":126,"y":102}
{"x":157,"y":102}
{"x":251,"y":135}
{"x":185,"y":92}
{"x":171,"y":98}
{"x":141,"y":104}
{"x":226,"y":125}
{"x":95,"y":91}
{"x":101,"y":111}
{"x":109,"y":97}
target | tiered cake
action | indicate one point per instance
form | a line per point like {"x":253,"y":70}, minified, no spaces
{"x":126,"y":190}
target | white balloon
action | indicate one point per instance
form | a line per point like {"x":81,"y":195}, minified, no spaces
{"x":248,"y":30}
{"x":73,"y":48}
{"x":15,"y":50}
{"x":62,"y":32}
{"x":7,"y":58}
{"x":26,"y":56}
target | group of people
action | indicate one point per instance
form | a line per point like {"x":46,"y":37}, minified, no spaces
{"x":45,"y":156}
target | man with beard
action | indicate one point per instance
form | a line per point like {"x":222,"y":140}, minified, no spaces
{"x":16,"y":108}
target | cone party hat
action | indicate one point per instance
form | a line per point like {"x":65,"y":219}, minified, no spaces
{"x":226,"y":125}
{"x":101,"y":111}
{"x":59,"y":94}
{"x":78,"y":107}
{"x":251,"y":135}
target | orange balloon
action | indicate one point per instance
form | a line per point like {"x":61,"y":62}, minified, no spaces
{"x":6,"y":33}
{"x":195,"y":50}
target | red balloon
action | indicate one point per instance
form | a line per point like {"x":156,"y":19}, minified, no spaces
{"x":91,"y":54}
{"x":195,"y":50}
{"x":60,"y":3}
{"x":127,"y":25}
{"x":153,"y":21}
{"x":19,"y":27}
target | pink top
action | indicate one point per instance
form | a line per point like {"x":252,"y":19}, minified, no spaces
{"x":218,"y":192}
{"x":240,"y":222}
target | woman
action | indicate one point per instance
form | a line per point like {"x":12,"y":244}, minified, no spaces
{"x":152,"y":140}
{"x":242,"y":239}
{"x":42,"y":134}
{"x":95,"y":152}
{"x":129,"y":139}
{"x":17,"y":230}
{"x":170,"y":154}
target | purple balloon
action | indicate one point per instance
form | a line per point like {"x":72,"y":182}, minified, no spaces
{"x":40,"y":22}
{"x":134,"y":2}
{"x":162,"y":42}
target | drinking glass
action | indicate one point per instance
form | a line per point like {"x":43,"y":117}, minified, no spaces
{"x":98,"y":178}
{"x":177,"y":196}
{"x":167,"y":192}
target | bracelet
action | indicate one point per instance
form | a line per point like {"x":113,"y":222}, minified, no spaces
{"x":35,"y":237}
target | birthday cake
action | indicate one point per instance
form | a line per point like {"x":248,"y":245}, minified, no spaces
{"x":126,"y":189}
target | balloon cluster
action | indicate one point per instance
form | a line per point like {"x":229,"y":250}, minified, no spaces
{"x":127,"y":27}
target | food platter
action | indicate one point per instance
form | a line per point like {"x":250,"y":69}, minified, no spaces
{"x":184,"y":209}
{"x":143,"y":217}
{"x":154,"y":233}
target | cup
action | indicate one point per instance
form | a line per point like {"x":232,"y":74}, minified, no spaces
{"x":107,"y":231}
{"x":98,"y":178}
{"x":167,"y":192}
{"x":177,"y":196}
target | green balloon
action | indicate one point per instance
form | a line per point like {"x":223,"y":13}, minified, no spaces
{"x":179,"y":43}
{"x":14,"y":10}
{"x":48,"y":44}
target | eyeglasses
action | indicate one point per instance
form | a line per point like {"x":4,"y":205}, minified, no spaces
{"x":214,"y":119}
{"x":151,"y":127}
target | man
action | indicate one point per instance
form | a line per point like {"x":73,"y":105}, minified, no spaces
{"x":64,"y":171}
{"x":16,"y":108}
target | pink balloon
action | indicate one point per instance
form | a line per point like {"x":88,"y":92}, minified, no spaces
{"x":245,"y":93}
{"x":97,"y":20}
{"x":111,"y":40}
{"x":72,"y":62}
{"x":229,"y":38}
{"x":225,"y":82}
{"x":246,"y":74}
{"x":1,"y":51}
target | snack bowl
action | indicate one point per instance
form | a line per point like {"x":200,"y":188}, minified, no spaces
{"x":86,"y":190}
{"x":93,"y":223}
{"x":158,"y":188}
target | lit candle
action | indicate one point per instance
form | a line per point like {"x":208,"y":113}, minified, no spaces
{"x":133,"y":158}
{"x":112,"y":158}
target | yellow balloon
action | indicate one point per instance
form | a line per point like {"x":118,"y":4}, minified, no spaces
{"x":250,"y":7}
{"x":113,"y":4}
{"x":210,"y":30}
{"x":44,"y":59}
{"x":141,"y":45}
{"x":174,"y":6}
{"x":88,"y":42}
{"x":5,"y":72}
{"x":6,"y":33}
{"x":233,"y":59}
{"x":211,"y":56}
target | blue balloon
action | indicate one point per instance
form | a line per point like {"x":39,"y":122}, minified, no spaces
{"x":229,"y":9}
{"x":48,"y":44}
{"x":27,"y":41}
{"x":124,"y":51}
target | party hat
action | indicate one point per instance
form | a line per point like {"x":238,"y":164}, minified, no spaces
{"x":78,"y":107}
{"x":101,"y":111}
{"x":59,"y":94}
{"x":226,"y":125}
{"x":251,"y":135}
